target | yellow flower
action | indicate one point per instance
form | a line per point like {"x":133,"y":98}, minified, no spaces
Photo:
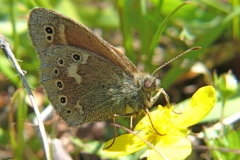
{"x":170,"y":142}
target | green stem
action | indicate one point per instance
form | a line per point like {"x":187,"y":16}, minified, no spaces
{"x":222,"y":115}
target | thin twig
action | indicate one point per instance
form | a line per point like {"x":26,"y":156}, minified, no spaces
{"x":5,"y":46}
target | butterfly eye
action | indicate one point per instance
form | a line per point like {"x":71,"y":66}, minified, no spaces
{"x":147,"y":83}
{"x":76,"y":57}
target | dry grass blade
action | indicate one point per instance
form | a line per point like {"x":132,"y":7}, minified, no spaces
{"x":5,"y":46}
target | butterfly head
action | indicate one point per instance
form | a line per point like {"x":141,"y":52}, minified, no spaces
{"x":151,"y":83}
{"x":148,"y":87}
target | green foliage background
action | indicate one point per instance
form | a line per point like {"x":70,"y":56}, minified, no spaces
{"x":213,"y":25}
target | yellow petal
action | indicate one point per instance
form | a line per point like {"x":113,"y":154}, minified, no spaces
{"x":200,"y":105}
{"x":124,"y":144}
{"x":161,"y":120}
{"x":171,"y":147}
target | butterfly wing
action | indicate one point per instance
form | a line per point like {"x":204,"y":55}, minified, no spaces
{"x":70,"y":32}
{"x":86,"y":79}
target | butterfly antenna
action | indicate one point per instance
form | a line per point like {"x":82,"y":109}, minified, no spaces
{"x":180,"y":55}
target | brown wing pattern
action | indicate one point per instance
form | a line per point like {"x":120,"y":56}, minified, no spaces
{"x":75,"y":34}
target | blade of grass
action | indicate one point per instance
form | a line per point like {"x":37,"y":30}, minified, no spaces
{"x":158,"y":33}
{"x":21,"y":116}
{"x":126,"y":29}
{"x":236,"y":21}
{"x":13,"y":136}
{"x":14,"y":30}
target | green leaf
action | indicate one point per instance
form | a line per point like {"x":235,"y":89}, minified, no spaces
{"x":223,"y":145}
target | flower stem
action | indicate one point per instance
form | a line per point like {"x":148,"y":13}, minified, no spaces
{"x":222,"y":115}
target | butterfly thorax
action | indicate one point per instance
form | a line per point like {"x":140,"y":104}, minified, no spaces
{"x":138,"y":93}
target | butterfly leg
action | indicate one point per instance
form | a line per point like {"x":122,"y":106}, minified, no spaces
{"x":149,"y":117}
{"x":115,"y":132}
{"x":153,"y":100}
{"x":131,"y":122}
{"x":115,"y":129}
{"x":165,"y":95}
{"x":127,"y":115}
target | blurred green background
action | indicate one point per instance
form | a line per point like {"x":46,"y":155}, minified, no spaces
{"x":130,"y":25}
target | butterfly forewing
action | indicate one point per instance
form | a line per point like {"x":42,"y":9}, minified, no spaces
{"x":46,"y":24}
